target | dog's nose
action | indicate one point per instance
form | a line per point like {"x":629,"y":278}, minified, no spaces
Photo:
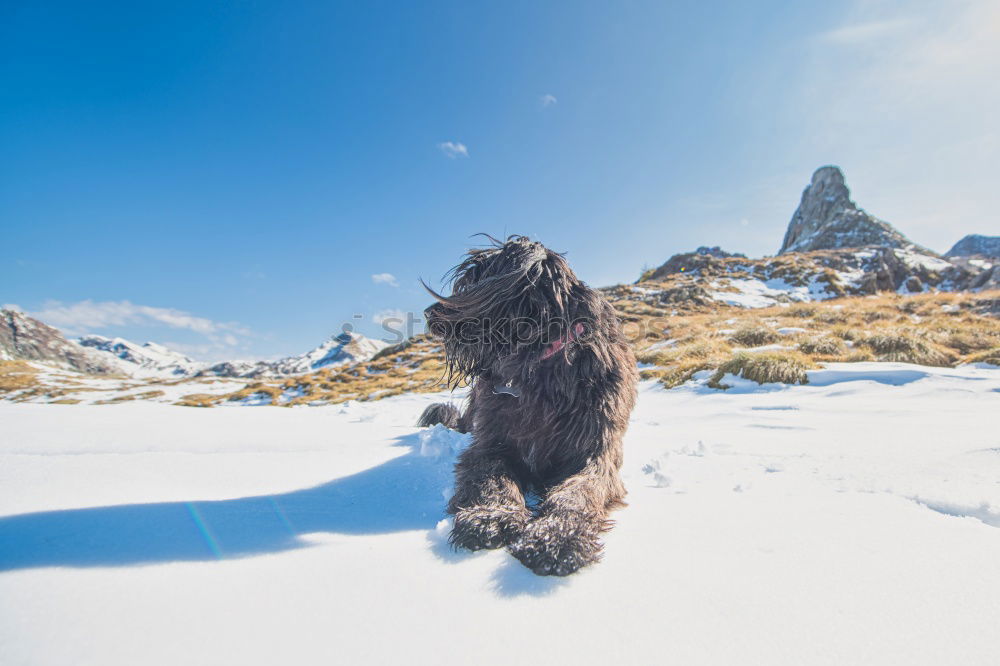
{"x":432,"y":315}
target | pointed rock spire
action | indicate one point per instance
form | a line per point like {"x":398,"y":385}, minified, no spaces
{"x":827,"y":219}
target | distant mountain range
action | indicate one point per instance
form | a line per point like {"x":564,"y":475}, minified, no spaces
{"x":831,"y":248}
{"x":25,"y":338}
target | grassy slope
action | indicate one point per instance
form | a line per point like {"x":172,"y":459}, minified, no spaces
{"x":673,"y":343}
{"x":673,"y":340}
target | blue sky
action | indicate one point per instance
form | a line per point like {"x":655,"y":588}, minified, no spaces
{"x":230,"y":178}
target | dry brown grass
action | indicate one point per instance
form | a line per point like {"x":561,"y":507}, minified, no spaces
{"x":415,"y":367}
{"x":17,"y":376}
{"x":928,"y":329}
{"x":198,"y":400}
{"x":803,"y":310}
{"x":682,"y":372}
{"x":128,"y":397}
{"x":991,"y":356}
{"x":823,"y":346}
{"x":784,"y":367}
{"x":697,"y":350}
{"x":902,"y":346}
{"x":754,"y":336}
{"x":965,"y":342}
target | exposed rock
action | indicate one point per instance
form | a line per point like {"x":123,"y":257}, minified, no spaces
{"x":718,"y":252}
{"x":975,"y":245}
{"x":27,"y":339}
{"x":814,"y":275}
{"x":393,"y":349}
{"x":691,"y":294}
{"x":913,"y":284}
{"x":989,"y":307}
{"x":989,"y":278}
{"x":704,"y":259}
{"x":244,"y":369}
{"x":827,"y":219}
{"x":686,"y":294}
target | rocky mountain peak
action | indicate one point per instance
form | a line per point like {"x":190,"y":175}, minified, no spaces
{"x":827,"y":219}
{"x":975,"y":245}
{"x":340,"y":349}
{"x":25,"y":338}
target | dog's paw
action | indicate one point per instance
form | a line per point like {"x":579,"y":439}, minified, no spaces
{"x":559,"y":544}
{"x":479,"y":528}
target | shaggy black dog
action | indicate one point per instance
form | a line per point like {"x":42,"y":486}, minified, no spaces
{"x":552,"y":386}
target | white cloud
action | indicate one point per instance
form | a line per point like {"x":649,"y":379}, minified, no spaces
{"x":11,"y":306}
{"x":869,"y":30}
{"x":547,"y":100}
{"x":454,"y":149}
{"x":83,"y":316}
{"x":385,"y":278}
{"x":385,"y":315}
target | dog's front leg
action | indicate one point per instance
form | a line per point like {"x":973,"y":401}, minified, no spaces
{"x":566,"y":534}
{"x":488,"y":504}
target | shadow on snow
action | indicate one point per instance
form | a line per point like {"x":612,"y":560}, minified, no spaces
{"x":405,"y":493}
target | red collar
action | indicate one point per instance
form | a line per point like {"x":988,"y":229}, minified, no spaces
{"x":554,"y":348}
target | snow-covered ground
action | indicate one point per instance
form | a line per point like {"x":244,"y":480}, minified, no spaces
{"x":755,"y":293}
{"x":852,"y":521}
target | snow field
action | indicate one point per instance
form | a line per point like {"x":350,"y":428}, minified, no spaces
{"x":852,"y":520}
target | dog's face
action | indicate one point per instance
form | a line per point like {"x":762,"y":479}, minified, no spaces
{"x":505,"y":298}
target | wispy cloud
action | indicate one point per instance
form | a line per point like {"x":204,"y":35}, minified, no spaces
{"x":454,"y":149}
{"x":866,"y":31}
{"x":941,"y":59}
{"x":547,"y":100}
{"x":386,"y":315}
{"x":85,"y":316}
{"x":385,"y":278}
{"x":898,"y":94}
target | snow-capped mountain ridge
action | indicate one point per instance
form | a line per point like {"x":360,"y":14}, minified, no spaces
{"x":339,"y":350}
{"x":149,"y":358}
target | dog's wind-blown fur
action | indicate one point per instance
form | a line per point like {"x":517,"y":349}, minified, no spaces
{"x":552,"y":386}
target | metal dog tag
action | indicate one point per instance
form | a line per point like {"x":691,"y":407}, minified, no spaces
{"x":507,"y":389}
